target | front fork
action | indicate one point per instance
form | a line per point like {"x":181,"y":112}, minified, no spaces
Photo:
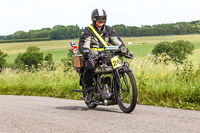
{"x":117,"y":77}
{"x":119,"y":83}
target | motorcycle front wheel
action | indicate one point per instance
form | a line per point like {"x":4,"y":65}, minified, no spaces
{"x":126,"y":92}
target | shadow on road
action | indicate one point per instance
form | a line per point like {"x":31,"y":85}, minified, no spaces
{"x":73,"y":108}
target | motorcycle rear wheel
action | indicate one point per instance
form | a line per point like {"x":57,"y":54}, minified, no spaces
{"x":127,"y":95}
{"x":89,"y":105}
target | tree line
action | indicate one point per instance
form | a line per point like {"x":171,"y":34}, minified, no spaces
{"x":59,"y":32}
{"x":180,"y":28}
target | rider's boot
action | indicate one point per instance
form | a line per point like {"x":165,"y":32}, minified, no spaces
{"x":88,"y":97}
{"x":90,"y":88}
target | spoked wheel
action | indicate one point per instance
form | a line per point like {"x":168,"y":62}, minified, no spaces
{"x":127,"y":93}
{"x":90,"y":105}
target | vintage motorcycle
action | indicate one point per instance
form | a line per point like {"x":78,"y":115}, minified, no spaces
{"x":113,"y":80}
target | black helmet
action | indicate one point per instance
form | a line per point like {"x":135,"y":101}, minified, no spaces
{"x":98,"y":13}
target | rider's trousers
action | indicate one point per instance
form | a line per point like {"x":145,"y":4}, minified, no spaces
{"x":88,"y":71}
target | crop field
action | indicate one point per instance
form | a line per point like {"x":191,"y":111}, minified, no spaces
{"x":141,"y":46}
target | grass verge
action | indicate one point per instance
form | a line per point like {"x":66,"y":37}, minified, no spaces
{"x":159,"y":84}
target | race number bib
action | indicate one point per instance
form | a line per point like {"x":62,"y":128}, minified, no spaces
{"x":116,"y":62}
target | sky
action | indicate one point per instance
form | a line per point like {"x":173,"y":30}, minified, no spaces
{"x":28,"y":15}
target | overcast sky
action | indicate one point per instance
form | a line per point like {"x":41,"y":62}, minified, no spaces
{"x":25,"y":15}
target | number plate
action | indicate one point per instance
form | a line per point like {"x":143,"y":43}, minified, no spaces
{"x":116,"y":62}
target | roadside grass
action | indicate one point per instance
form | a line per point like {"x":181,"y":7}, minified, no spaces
{"x":168,"y":85}
{"x":40,"y":83}
{"x":159,"y":84}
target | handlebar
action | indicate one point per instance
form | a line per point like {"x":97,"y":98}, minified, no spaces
{"x":121,"y":49}
{"x":113,"y":50}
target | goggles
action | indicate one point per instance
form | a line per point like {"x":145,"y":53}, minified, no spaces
{"x":101,"y":19}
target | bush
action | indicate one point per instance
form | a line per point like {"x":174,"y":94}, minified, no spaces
{"x":180,"y":50}
{"x":2,"y":59}
{"x":49,"y":58}
{"x":162,"y":47}
{"x":177,"y":50}
{"x":67,"y":61}
{"x":48,"y":63}
{"x":31,"y":58}
{"x":19,"y":62}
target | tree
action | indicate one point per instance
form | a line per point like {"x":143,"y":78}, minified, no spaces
{"x":32,"y":57}
{"x":43,"y":33}
{"x":177,"y":50}
{"x":20,"y":35}
{"x":59,"y":32}
{"x":197,"y":27}
{"x":2,"y":59}
{"x":72,"y":31}
{"x":121,"y":30}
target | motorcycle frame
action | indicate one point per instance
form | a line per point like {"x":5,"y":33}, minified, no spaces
{"x":115,"y":80}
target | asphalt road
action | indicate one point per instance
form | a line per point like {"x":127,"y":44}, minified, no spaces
{"x":25,"y":114}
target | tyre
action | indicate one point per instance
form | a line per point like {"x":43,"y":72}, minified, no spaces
{"x":127,"y":95}
{"x":89,"y":105}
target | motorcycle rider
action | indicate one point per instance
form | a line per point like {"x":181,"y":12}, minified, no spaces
{"x":90,"y":44}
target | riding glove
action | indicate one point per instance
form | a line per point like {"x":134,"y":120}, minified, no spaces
{"x":128,"y":54}
{"x":92,"y":56}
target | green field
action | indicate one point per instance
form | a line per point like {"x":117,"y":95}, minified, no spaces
{"x":141,"y":46}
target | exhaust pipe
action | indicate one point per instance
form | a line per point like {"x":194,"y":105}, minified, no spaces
{"x":108,"y":102}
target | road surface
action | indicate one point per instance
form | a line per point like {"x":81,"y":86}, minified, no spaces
{"x":28,"y":114}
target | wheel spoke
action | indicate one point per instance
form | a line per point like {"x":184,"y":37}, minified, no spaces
{"x":124,"y":94}
{"x":125,"y":79}
{"x":127,"y":92}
